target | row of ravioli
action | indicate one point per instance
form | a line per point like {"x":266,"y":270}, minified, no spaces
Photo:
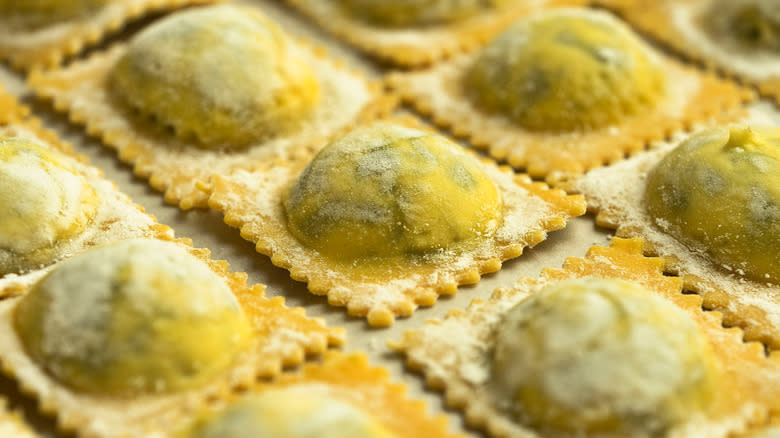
{"x":131,"y":339}
{"x":397,"y":241}
{"x":118,"y":329}
{"x":237,"y":133}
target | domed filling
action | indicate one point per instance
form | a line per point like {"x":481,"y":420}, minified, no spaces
{"x":136,"y":317}
{"x":408,"y":13}
{"x":754,"y":24}
{"x":33,"y":14}
{"x":225,"y":75}
{"x":599,"y":357}
{"x":564,"y":71}
{"x":43,"y":201}
{"x":389,"y":191}
{"x":719,"y":192}
{"x":287,"y":413}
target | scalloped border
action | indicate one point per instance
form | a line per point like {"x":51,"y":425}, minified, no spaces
{"x":350,"y":378}
{"x":283,"y":337}
{"x":433,"y":43}
{"x":631,"y":221}
{"x":652,"y":19}
{"x":417,"y":286}
{"x":436,"y":93}
{"x":30,"y":127}
{"x":75,"y":88}
{"x":753,"y":378}
{"x":84,"y":32}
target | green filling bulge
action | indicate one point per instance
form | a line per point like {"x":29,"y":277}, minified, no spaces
{"x":719,"y":192}
{"x":602,"y":358}
{"x":43,"y":201}
{"x":564,"y":71}
{"x":135,"y":317}
{"x":225,"y":75}
{"x":388,"y":191}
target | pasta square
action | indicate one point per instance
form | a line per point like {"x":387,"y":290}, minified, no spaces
{"x":226,"y":115}
{"x":748,"y":299}
{"x":342,"y":393}
{"x":102,"y":374}
{"x":421,"y":218}
{"x":460,"y":355}
{"x":566,"y":106}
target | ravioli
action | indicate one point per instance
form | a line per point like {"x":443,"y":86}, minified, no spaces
{"x":566,"y":90}
{"x":566,"y":72}
{"x":209,"y":91}
{"x":608,"y":346}
{"x":291,"y":412}
{"x":719,"y":191}
{"x":388,"y":216}
{"x":43,"y":201}
{"x":387,"y":191}
{"x":136,"y":317}
{"x":223,"y":75}
{"x":602,"y":357}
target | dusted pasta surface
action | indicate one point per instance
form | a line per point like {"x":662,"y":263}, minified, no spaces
{"x":566,"y":70}
{"x":43,"y":200}
{"x":224,"y":76}
{"x":602,"y":357}
{"x":719,"y":191}
{"x":135,"y":317}
{"x":389,"y":191}
{"x":287,"y":413}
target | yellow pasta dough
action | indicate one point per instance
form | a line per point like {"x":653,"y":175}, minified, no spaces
{"x":417,"y":12}
{"x":42,"y":201}
{"x":720,"y":191}
{"x":292,"y":412}
{"x":31,"y":14}
{"x":135,"y":317}
{"x":224,"y":75}
{"x":564,"y":71}
{"x":390,"y":191}
{"x":602,"y":357}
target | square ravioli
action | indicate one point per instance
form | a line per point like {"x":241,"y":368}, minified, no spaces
{"x":414,"y":33}
{"x":608,"y":346}
{"x":707,"y":203}
{"x":739,"y":38}
{"x":181,"y":102}
{"x":58,"y":203}
{"x":386,"y":218}
{"x":42,"y":33}
{"x":341,"y":397}
{"x":565,"y":90}
{"x":120,"y":341}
